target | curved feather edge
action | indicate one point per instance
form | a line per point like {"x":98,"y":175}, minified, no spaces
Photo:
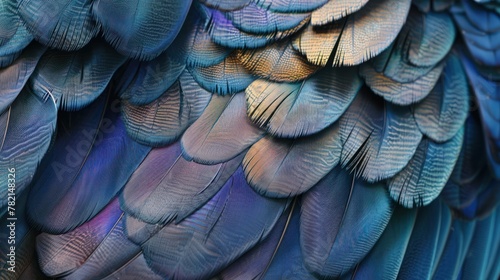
{"x":385,"y":259}
{"x":92,"y":155}
{"x":299,"y":109}
{"x":156,"y":25}
{"x":357,"y":214}
{"x":290,"y":6}
{"x":425,"y":176}
{"x":167,"y":187}
{"x":370,"y":130}
{"x":278,"y":167}
{"x":207,"y":241}
{"x":222,"y":132}
{"x":333,"y":10}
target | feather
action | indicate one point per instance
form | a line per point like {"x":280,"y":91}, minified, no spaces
{"x":397,"y":92}
{"x":443,"y":112}
{"x":483,"y":204}
{"x":476,"y":259}
{"x":255,"y":263}
{"x":226,"y":5}
{"x":93,"y":155}
{"x":9,"y":21}
{"x":137,"y":268}
{"x":378,"y":138}
{"x":223,"y":32}
{"x":355,"y":39}
{"x":59,"y":255}
{"x":423,"y":179}
{"x":12,"y":49}
{"x":481,"y":17}
{"x":62,"y":24}
{"x":207,"y":241}
{"x":139,"y":231}
{"x":194,"y":46}
{"x":87,"y":73}
{"x":290,"y":6}
{"x":457,"y":244}
{"x":14,"y":77}
{"x":425,"y":245}
{"x":470,"y":174}
{"x":357,"y":214}
{"x":385,"y":259}
{"x":494,"y":250}
{"x":278,"y":62}
{"x":286,"y":167}
{"x":431,"y":36}
{"x":165,"y":119}
{"x":300,"y":109}
{"x":483,"y":45}
{"x":7,"y":60}
{"x":140,"y":29}
{"x":222,"y":132}
{"x":487,"y":95}
{"x":334,"y":10}
{"x":26,"y":130}
{"x":226,"y":77}
{"x":166,"y":186}
{"x":256,"y":20}
{"x":142,"y":82}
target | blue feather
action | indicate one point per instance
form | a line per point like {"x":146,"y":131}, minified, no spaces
{"x":385,"y":259}
{"x":154,"y":26}
{"x":290,"y":6}
{"x":93,"y":155}
{"x":426,"y":242}
{"x":207,"y":241}
{"x":226,"y":5}
{"x":357,"y":214}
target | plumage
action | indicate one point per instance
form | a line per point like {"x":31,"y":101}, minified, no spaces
{"x":423,"y":179}
{"x":355,"y":39}
{"x":222,"y":132}
{"x":300,"y":109}
{"x":63,"y":24}
{"x":278,"y":62}
{"x":442,"y":113}
{"x":426,"y":242}
{"x":378,"y":138}
{"x":162,"y":177}
{"x":286,"y":167}
{"x":154,"y":26}
{"x":340,"y":199}
{"x":86,"y":74}
{"x":14,"y":77}
{"x":142,"y":82}
{"x":78,"y":166}
{"x":199,"y":246}
{"x":166,"y":118}
{"x":334,"y":10}
{"x":26,"y":128}
{"x":250,"y":139}
{"x":384,"y":262}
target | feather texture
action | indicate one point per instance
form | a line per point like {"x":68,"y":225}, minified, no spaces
{"x":290,"y":6}
{"x":425,"y":245}
{"x":287,"y":167}
{"x":155,"y":25}
{"x":222,"y":132}
{"x":202,"y":244}
{"x":226,"y":5}
{"x":14,"y":77}
{"x":87,"y":73}
{"x":165,"y":119}
{"x":299,"y":109}
{"x":357,"y":213}
{"x":334,"y":10}
{"x":378,"y":138}
{"x":443,"y":112}
{"x":278,"y":62}
{"x":355,"y":39}
{"x":166,"y":186}
{"x":62,"y":24}
{"x":94,"y":154}
{"x":142,"y":82}
{"x":26,"y":130}
{"x":423,"y":179}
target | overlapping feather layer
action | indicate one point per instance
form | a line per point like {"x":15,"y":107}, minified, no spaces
{"x":251,"y":139}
